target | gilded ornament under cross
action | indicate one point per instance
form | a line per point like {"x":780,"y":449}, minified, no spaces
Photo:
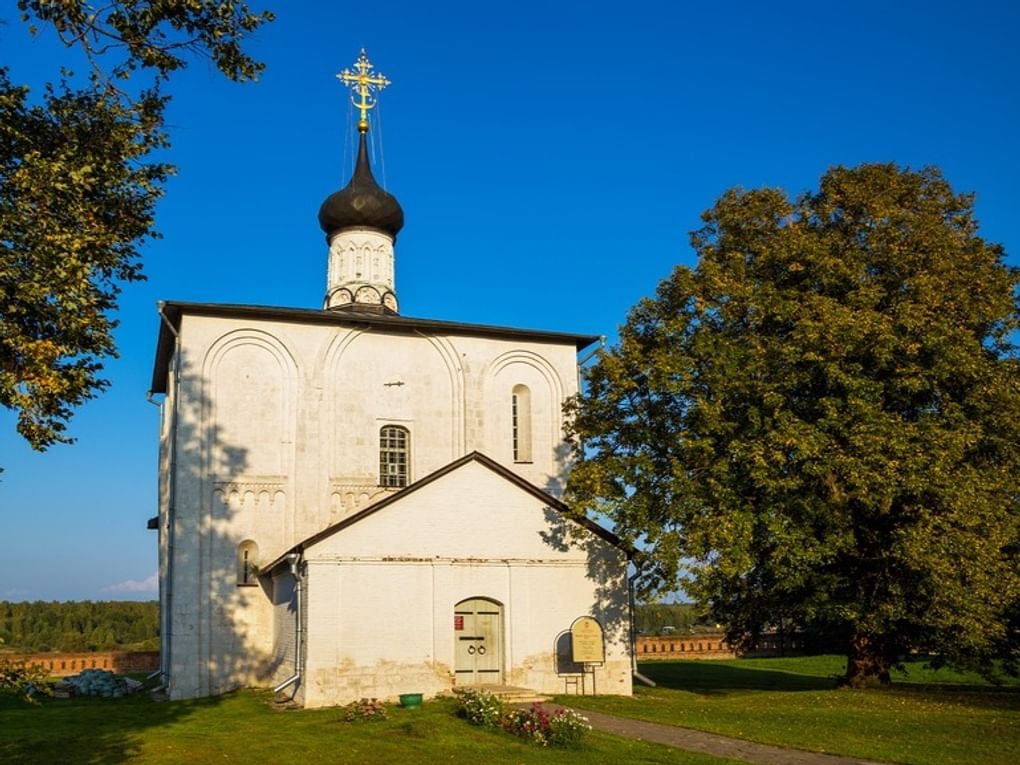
{"x":365,"y":83}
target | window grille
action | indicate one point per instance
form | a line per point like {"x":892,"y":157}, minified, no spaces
{"x":394,"y":453}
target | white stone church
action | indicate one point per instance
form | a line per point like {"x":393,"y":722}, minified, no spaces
{"x":354,"y":503}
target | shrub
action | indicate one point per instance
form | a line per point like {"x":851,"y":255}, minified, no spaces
{"x":567,"y":728}
{"x":480,"y":708}
{"x":530,"y":724}
{"x":29,"y":680}
{"x":561,"y":728}
{"x":365,"y":709}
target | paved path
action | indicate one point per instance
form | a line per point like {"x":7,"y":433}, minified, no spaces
{"x":712,"y":743}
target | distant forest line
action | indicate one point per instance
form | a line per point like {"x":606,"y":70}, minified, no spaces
{"x":134,"y":625}
{"x":80,"y":626}
{"x":669,"y":618}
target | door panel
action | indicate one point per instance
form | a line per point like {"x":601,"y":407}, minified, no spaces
{"x":478,"y":643}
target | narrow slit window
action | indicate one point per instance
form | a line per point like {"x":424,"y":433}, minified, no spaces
{"x":394,"y":456}
{"x":520,"y":423}
{"x":247,"y":564}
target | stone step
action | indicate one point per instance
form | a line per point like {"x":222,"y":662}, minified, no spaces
{"x":508,"y":694}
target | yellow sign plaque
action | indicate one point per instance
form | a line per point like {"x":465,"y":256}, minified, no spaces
{"x":586,"y":639}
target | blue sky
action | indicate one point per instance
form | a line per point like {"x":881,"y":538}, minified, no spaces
{"x":551,"y":160}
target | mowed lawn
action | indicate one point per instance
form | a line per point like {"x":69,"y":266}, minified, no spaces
{"x":242,"y":727}
{"x":924,"y":718}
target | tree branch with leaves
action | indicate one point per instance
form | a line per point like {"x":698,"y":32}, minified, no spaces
{"x":79,"y":182}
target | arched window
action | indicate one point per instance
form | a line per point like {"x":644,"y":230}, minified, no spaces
{"x":520,"y":419}
{"x":394,"y":455}
{"x":247,"y":564}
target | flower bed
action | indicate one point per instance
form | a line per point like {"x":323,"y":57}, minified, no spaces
{"x":364,"y":709}
{"x":559,"y":727}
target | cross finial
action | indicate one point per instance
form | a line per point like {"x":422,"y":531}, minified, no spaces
{"x":363,"y":83}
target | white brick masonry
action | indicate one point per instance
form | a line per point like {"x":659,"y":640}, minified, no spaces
{"x":277,"y":438}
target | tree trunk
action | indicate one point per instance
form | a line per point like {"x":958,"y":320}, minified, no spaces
{"x":867,"y":663}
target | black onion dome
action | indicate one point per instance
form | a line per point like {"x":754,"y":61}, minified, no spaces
{"x":362,"y":203}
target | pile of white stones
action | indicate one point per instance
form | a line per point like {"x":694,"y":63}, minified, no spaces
{"x":98,"y":682}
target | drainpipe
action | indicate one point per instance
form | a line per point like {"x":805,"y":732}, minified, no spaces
{"x":165,"y":656}
{"x":633,"y":630}
{"x":293,"y":560}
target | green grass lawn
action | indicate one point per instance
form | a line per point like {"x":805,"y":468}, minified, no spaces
{"x":924,"y":718}
{"x":242,"y":727}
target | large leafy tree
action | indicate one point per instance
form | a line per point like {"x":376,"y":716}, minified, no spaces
{"x":820,"y":423}
{"x":81,"y":170}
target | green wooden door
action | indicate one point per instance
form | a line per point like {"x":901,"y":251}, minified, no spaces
{"x":478,"y":642}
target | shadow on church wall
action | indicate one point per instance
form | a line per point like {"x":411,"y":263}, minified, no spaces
{"x":610,"y":605}
{"x":221,"y":633}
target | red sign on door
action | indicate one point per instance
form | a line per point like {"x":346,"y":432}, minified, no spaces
{"x":458,"y":621}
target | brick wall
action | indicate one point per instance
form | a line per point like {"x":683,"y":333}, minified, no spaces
{"x":62,"y":664}
{"x":710,"y":645}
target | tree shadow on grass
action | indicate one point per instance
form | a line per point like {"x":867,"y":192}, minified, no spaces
{"x":712,"y":679}
{"x":85,"y":731}
{"x":960,"y":694}
{"x":708,"y":678}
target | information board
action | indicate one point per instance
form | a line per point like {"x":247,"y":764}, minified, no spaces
{"x":586,"y":640}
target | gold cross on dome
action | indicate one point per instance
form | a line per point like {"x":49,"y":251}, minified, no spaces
{"x":363,"y":83}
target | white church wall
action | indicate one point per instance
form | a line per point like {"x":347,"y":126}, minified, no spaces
{"x":553,"y":598}
{"x":230,"y":486}
{"x":249,"y":380}
{"x":370,"y":633}
{"x":283,"y":662}
{"x":301,"y":405}
{"x":188,"y":577}
{"x":545,"y":460}
{"x":277,"y":438}
{"x":163,"y":517}
{"x":382,"y":592}
{"x":470,"y":513}
{"x":373,"y":380}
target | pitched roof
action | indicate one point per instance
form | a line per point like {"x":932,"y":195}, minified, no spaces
{"x":481,"y":459}
{"x":174,"y":310}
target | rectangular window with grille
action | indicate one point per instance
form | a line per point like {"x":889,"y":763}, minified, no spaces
{"x":394,"y":451}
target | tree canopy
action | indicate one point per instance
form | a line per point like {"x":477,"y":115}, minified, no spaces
{"x":79,"y":181}
{"x":820,"y":423}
